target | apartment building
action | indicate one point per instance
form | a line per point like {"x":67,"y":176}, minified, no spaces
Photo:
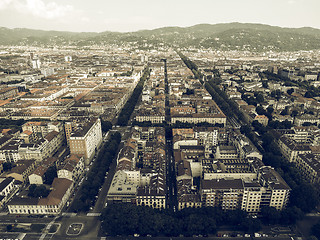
{"x":10,"y":151}
{"x":86,"y":139}
{"x":72,"y":168}
{"x":43,"y":148}
{"x":7,"y":187}
{"x":291,"y":149}
{"x":309,"y":166}
{"x":22,"y":170}
{"x":121,"y":190}
{"x":8,"y":92}
{"x":250,"y":195}
{"x":199,"y":118}
{"x":37,"y":177}
{"x":42,"y":128}
{"x":277,"y":190}
{"x":306,"y":118}
{"x":187,"y":195}
{"x":262,"y":119}
{"x":154,"y":194}
{"x":226,"y":194}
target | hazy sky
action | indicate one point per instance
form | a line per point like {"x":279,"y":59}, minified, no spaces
{"x":132,"y":15}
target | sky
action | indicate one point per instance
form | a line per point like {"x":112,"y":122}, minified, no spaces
{"x":133,"y":15}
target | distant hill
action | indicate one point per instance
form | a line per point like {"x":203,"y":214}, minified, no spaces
{"x":226,"y":36}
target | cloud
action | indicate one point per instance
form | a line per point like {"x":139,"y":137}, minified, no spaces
{"x":50,"y":10}
{"x":4,"y":4}
{"x":38,"y":8}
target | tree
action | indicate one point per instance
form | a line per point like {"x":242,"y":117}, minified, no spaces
{"x":32,"y":187}
{"x":315,"y":230}
{"x":285,"y":111}
{"x":9,"y":227}
{"x":106,"y":126}
{"x":287,"y":124}
{"x":245,"y":129}
{"x":7,"y":166}
{"x":38,"y":191}
{"x":260,"y":98}
{"x":270,"y":215}
{"x":294,"y":113}
{"x":270,"y":159}
{"x":305,"y":197}
{"x":276,"y":94}
{"x":50,"y":174}
{"x":265,"y":84}
{"x":270,"y":109}
{"x":290,"y":91}
{"x":251,"y":225}
{"x":308,"y":94}
{"x":290,"y":215}
{"x":260,"y":110}
{"x":267,"y":138}
{"x":78,"y":205}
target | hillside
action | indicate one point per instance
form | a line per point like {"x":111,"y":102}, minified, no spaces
{"x":227,"y":36}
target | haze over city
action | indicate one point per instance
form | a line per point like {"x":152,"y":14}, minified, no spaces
{"x":127,"y":15}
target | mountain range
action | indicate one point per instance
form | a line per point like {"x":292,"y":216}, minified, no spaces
{"x":226,"y":36}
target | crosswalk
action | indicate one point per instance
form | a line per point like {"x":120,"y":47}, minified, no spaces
{"x":93,"y":214}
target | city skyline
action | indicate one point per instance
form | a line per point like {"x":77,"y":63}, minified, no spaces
{"x":127,"y":16}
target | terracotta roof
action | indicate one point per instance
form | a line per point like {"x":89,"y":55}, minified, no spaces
{"x":27,"y":132}
{"x":60,"y":187}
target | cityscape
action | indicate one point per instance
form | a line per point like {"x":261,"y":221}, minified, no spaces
{"x":210,"y":131}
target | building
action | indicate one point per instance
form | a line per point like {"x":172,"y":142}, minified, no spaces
{"x":38,"y":176}
{"x":200,"y":118}
{"x":121,"y":190}
{"x":249,"y":195}
{"x":262,"y":119}
{"x":306,"y":118}
{"x":309,"y":166}
{"x":187,"y":195}
{"x":43,"y":148}
{"x":226,"y":152}
{"x":291,"y":149}
{"x":86,"y":139}
{"x":42,"y":128}
{"x":22,"y":170}
{"x":7,"y":188}
{"x":154,"y":194}
{"x":10,"y":151}
{"x":226,"y":194}
{"x":52,"y":204}
{"x":72,"y":168}
{"x":276,"y":190}
{"x":8,"y":93}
